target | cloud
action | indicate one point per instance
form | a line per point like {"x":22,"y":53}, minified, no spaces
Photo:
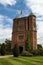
{"x":8,"y":2}
{"x":2,"y":18}
{"x":35,"y":5}
{"x":5,"y":29}
{"x":40,"y":32}
{"x":5,"y":33}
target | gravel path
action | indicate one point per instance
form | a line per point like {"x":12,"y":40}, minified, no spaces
{"x":6,"y":56}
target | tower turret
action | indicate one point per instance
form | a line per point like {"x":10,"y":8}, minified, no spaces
{"x":32,"y":29}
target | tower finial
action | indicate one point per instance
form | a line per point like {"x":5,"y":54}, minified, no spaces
{"x":21,"y":12}
{"x":31,"y":13}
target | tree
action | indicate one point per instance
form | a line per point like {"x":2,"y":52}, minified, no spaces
{"x":8,"y":46}
{"x":0,"y":47}
{"x":3,"y":49}
{"x":39,"y":46}
{"x":28,"y":47}
{"x":16,"y":50}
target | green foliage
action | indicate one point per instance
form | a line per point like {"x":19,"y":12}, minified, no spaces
{"x":35,"y":52}
{"x":38,"y":52}
{"x":26,"y":53}
{"x":41,"y":51}
{"x":39,"y":46}
{"x":2,"y":49}
{"x":8,"y":46}
{"x":16,"y":50}
{"x":28,"y":47}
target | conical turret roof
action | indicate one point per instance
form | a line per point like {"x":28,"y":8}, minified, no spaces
{"x":32,"y":14}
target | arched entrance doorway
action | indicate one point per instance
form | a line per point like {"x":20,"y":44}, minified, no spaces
{"x":20,"y":49}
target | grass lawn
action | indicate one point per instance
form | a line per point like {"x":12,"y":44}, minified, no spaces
{"x":22,"y":61}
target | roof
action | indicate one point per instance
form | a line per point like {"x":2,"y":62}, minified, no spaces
{"x":31,"y":14}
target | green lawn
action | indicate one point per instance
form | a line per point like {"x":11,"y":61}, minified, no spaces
{"x":22,"y":61}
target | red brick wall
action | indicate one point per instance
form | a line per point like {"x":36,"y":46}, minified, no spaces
{"x":28,"y":26}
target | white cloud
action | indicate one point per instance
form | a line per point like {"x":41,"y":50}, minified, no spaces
{"x":2,"y":18}
{"x":5,"y":30}
{"x":8,"y":2}
{"x":5,"y":33}
{"x":35,"y":5}
{"x":40,"y":32}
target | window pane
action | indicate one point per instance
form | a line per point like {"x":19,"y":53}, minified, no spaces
{"x":21,"y":38}
{"x":20,"y":28}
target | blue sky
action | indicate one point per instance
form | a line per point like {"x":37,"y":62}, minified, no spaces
{"x":9,"y":9}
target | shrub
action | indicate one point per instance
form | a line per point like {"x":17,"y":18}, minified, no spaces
{"x":41,"y":52}
{"x":2,"y":49}
{"x":35,"y":52}
{"x":39,"y":46}
{"x":16,"y":50}
{"x":26,"y":53}
{"x":38,"y":52}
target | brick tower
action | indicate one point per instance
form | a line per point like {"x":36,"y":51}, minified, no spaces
{"x":19,"y":32}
